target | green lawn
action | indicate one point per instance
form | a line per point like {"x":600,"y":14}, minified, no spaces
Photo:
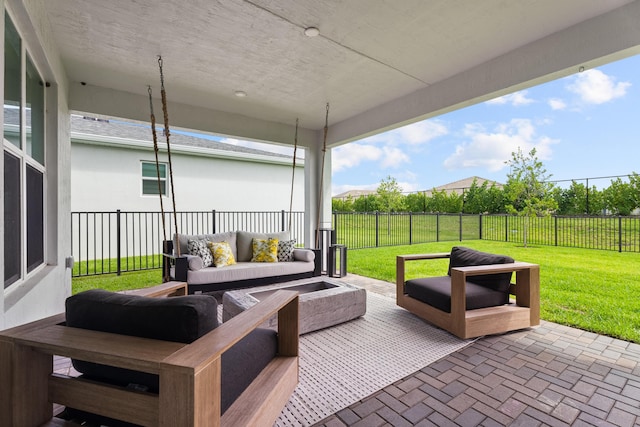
{"x":590,"y":289}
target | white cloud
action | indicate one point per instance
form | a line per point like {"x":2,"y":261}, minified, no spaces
{"x":557,"y":104}
{"x":515,"y":99}
{"x":421,"y":132}
{"x":491,"y":150}
{"x":351,"y":155}
{"x":595,"y":87}
{"x":408,"y":187}
{"x":393,"y":157}
{"x":413,"y":134}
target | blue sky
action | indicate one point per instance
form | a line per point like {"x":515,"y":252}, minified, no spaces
{"x":583,"y":126}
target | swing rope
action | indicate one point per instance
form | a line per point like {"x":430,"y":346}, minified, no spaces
{"x":155,"y":150}
{"x":324,"y":150}
{"x":293,"y":173}
{"x":167,"y":134}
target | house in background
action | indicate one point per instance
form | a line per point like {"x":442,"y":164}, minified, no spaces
{"x":462,"y":185}
{"x":113,"y":167}
{"x":354,"y":194}
{"x":458,"y":187}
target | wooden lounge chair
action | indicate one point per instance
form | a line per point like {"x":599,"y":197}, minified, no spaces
{"x":474,"y":299}
{"x":189,"y":375}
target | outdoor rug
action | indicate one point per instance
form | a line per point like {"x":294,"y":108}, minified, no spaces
{"x":346,"y":363}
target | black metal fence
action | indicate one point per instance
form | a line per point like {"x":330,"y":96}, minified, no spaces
{"x":374,"y":229}
{"x":118,"y":241}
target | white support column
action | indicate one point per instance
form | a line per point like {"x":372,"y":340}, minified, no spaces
{"x":314,"y":197}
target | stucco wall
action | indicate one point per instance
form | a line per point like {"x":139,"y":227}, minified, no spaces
{"x":43,"y":293}
{"x":106,"y":178}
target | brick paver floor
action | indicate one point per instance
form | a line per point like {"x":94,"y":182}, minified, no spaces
{"x":551,"y":375}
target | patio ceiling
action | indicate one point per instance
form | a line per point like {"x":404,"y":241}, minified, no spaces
{"x":379,"y":63}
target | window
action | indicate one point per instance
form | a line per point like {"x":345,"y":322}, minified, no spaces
{"x":24,"y":160}
{"x":150,"y":183}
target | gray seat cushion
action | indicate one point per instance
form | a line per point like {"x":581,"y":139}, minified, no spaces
{"x":436,"y":291}
{"x":466,"y":257}
{"x":180,"y":319}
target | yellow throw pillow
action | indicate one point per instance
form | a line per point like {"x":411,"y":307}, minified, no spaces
{"x":265,"y":250}
{"x":222,"y":255}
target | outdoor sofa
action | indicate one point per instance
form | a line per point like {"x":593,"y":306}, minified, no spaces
{"x":189,"y":265}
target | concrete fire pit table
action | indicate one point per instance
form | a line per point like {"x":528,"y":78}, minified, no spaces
{"x":324,"y":302}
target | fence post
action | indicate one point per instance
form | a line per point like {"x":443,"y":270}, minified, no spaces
{"x":411,"y":228}
{"x":335,"y":227}
{"x":282,"y":221}
{"x":460,"y":226}
{"x":377,"y":229}
{"x":118,"y":262}
{"x":555,"y":226}
{"x":437,"y":226}
{"x":506,"y":228}
{"x":213,"y":221}
{"x":619,"y":233}
{"x":480,"y":226}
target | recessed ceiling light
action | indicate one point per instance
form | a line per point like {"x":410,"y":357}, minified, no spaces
{"x":240,"y":93}
{"x":311,"y":31}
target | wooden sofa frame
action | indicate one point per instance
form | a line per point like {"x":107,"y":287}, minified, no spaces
{"x":189,"y":374}
{"x":522,"y":313}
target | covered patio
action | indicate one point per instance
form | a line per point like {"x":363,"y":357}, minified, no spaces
{"x":549,"y":375}
{"x":249,"y":69}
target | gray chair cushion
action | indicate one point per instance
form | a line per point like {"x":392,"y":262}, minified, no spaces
{"x":436,"y":291}
{"x":180,"y":319}
{"x":466,"y":257}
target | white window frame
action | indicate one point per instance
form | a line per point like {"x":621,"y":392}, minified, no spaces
{"x":26,"y":160}
{"x":154,"y":178}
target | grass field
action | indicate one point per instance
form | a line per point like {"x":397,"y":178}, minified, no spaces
{"x":360,"y":230}
{"x":594,"y":290}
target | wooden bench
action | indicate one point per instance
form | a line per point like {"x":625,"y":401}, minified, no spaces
{"x":167,"y":289}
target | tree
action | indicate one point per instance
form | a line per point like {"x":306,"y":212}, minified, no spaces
{"x":528,"y":192}
{"x":572,"y":200}
{"x":443,"y":202}
{"x":495,"y":200}
{"x":476,"y":198}
{"x":390,"y":195}
{"x":368,"y":203}
{"x":342,"y":205}
{"x":620,"y":197}
{"x":416,"y":202}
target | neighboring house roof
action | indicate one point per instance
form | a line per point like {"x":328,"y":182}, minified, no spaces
{"x":95,"y":130}
{"x":456,"y":186}
{"x":139,"y":132}
{"x":463,"y":184}
{"x":354,"y":193}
